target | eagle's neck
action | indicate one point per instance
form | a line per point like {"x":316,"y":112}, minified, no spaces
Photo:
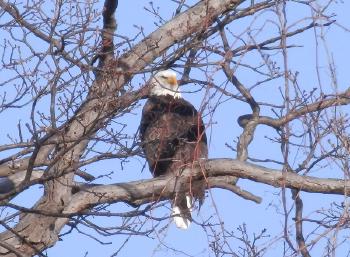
{"x":162,"y":91}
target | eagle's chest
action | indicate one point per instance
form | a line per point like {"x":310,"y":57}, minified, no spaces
{"x":166,"y":125}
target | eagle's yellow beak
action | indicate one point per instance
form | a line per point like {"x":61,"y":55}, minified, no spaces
{"x":172,"y":80}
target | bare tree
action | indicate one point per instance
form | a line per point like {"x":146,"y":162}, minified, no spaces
{"x":75,"y":89}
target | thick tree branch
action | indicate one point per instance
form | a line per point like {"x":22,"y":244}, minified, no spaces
{"x":193,"y":21}
{"x":109,"y":28}
{"x":276,"y":178}
{"x":220,"y":174}
{"x":339,"y":99}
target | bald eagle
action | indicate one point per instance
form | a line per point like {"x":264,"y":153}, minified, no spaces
{"x":173,"y":138}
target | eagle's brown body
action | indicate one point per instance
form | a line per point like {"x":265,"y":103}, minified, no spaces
{"x":172,"y":133}
{"x":173,"y":137}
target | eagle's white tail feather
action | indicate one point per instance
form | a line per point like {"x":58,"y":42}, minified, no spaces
{"x":180,"y":219}
{"x":189,"y":202}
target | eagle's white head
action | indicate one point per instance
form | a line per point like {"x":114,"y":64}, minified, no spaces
{"x":165,"y":83}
